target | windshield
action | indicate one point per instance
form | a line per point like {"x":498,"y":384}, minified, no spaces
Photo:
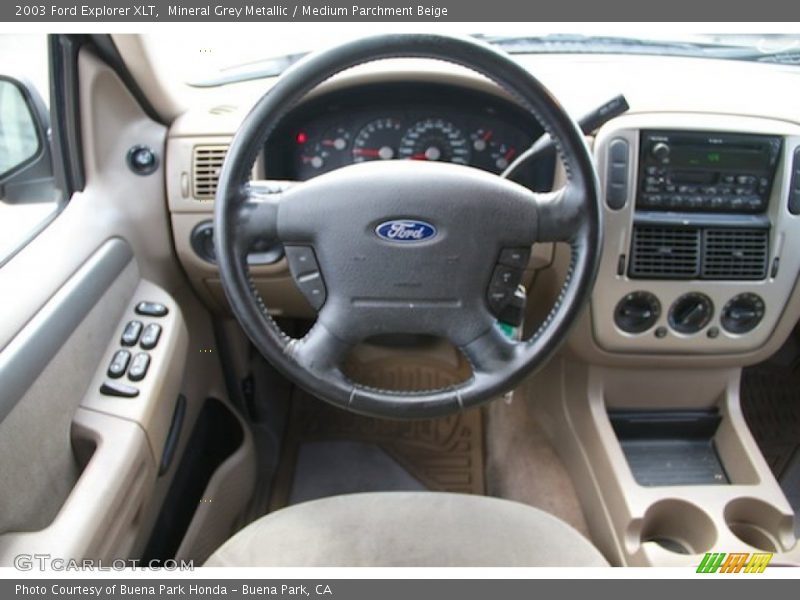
{"x":201,"y":61}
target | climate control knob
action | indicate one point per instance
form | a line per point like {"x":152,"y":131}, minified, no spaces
{"x":637,"y":312}
{"x":690,"y":313}
{"x":742,"y":313}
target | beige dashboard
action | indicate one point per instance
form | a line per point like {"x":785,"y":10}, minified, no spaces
{"x":590,"y":80}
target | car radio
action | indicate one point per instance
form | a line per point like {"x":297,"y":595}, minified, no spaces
{"x":704,"y":171}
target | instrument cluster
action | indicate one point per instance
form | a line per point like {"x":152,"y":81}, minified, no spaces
{"x":424,"y":123}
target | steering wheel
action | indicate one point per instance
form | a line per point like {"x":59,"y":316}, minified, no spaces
{"x":399,"y":246}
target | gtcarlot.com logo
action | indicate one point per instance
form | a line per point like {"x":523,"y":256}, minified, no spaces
{"x":46,"y":562}
{"x":734,"y":562}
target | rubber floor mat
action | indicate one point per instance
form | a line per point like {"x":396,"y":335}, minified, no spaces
{"x":771,"y":406}
{"x":444,"y":454}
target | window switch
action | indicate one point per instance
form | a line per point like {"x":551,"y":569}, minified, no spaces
{"x":139,"y":366}
{"x":151,"y":309}
{"x":119,"y":363}
{"x":150,"y":336}
{"x":131,"y":333}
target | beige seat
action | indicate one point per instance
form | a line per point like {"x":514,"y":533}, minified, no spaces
{"x":408,"y":529}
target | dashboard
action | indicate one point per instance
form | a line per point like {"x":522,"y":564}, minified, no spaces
{"x":427,"y":122}
{"x":701,"y":248}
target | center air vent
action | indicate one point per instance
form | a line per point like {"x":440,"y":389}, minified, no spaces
{"x":735,"y":253}
{"x":206,"y":165}
{"x":669,"y":252}
{"x":665,"y":253}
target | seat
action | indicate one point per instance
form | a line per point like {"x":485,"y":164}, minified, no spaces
{"x":408,"y":529}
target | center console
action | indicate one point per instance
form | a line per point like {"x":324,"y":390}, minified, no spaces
{"x":701,"y":255}
{"x":702,"y":234}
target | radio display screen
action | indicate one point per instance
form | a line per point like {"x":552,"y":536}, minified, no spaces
{"x":718,"y":158}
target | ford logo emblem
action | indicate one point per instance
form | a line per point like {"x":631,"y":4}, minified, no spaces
{"x":405,"y":231}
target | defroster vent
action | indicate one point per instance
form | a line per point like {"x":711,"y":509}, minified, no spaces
{"x":206,"y":166}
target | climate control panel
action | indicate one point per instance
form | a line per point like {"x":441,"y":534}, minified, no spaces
{"x":701,"y":244}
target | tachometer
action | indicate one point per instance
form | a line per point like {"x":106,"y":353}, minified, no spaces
{"x":377,"y":140}
{"x":435,"y":139}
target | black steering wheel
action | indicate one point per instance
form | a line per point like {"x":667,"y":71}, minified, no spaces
{"x":406,"y":246}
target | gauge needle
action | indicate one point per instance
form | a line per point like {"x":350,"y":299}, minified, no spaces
{"x":487,"y":136}
{"x":510,"y":154}
{"x":367,"y":151}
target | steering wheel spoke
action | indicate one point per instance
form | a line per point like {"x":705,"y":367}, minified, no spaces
{"x":320,"y":351}
{"x":491,"y":352}
{"x":560,"y":213}
{"x":257,"y":210}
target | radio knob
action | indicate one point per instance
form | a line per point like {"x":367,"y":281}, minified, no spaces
{"x":660,"y":151}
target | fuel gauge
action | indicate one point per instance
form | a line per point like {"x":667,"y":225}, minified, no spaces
{"x":489,"y":152}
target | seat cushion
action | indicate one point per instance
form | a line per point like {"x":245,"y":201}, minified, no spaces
{"x":405,"y":529}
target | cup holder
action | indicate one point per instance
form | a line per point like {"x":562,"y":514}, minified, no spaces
{"x":760,"y":525}
{"x":678,"y":526}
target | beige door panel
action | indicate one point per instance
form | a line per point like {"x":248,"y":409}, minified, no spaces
{"x":78,"y":471}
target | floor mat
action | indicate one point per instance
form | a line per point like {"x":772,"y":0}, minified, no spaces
{"x":771,"y":406}
{"x":444,"y":454}
{"x":336,"y":467}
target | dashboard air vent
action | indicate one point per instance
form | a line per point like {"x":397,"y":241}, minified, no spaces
{"x":665,"y":253}
{"x":735,"y":253}
{"x":206,"y":165}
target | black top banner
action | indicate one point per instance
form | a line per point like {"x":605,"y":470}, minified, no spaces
{"x":151,"y":11}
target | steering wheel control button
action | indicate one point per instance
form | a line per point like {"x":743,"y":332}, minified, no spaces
{"x":690,"y":313}
{"x":118,"y":389}
{"x":637,"y":312}
{"x":742,"y":313}
{"x":506,"y":277}
{"x":515,"y":257}
{"x":301,"y":260}
{"x":150,"y":336}
{"x":139,"y":366}
{"x":313,"y":289}
{"x":131,"y":333}
{"x":151,"y":309}
{"x":119,"y":363}
{"x":617,"y":174}
{"x":304,"y":268}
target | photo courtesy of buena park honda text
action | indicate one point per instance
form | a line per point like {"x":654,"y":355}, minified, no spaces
{"x":384,"y":299}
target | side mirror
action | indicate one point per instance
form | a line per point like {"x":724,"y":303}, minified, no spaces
{"x":26,"y":170}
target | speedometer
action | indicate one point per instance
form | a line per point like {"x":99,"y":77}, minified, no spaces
{"x":377,"y":140}
{"x":436,"y":140}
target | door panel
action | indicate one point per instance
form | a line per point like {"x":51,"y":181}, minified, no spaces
{"x":79,"y":475}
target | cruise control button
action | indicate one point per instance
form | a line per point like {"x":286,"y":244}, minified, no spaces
{"x":301,"y":260}
{"x":304,"y":268}
{"x":115,"y":388}
{"x":119,"y":363}
{"x":139,"y":366}
{"x":498,"y":298}
{"x":505,"y":277}
{"x":150,"y":336}
{"x":313,"y":289}
{"x":151,"y":309}
{"x":131,"y":333}
{"x":515,"y":257}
